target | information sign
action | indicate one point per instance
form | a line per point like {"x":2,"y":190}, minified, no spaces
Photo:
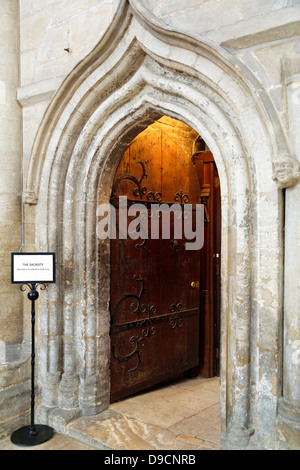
{"x":32,"y":268}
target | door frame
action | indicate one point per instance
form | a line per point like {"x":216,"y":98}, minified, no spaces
{"x":210,"y":277}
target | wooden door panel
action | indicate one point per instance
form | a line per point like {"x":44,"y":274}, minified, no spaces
{"x":155,"y":311}
{"x":147,"y":352}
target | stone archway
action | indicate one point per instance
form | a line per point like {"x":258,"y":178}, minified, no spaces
{"x":135,"y":75}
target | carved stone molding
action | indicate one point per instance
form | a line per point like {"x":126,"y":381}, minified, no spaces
{"x":29,"y":197}
{"x":286,"y":171}
{"x":291,"y":70}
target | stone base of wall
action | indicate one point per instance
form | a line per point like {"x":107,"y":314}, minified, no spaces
{"x":15,"y":390}
{"x":288,"y":430}
{"x":288,"y":437}
{"x":58,"y":418}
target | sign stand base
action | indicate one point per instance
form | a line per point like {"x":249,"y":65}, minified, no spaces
{"x":25,"y":437}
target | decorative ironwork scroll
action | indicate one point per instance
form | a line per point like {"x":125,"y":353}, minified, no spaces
{"x":154,"y":196}
{"x":176,"y":321}
{"x":180,"y":196}
{"x":140,"y":190}
{"x":146,"y":324}
{"x":147,"y":330}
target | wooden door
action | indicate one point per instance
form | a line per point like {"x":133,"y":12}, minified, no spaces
{"x":155,"y":290}
{"x":210,"y":259}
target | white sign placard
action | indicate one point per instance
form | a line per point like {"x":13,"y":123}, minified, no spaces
{"x":32,"y":267}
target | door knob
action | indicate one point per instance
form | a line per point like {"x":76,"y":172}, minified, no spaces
{"x":194,"y":284}
{"x":175,"y":245}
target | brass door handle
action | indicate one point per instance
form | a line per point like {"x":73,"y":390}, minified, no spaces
{"x":195,"y":284}
{"x":175,"y":245}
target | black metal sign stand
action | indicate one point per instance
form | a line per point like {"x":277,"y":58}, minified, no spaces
{"x":35,"y":433}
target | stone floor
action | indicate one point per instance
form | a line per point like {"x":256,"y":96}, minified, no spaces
{"x":180,"y":416}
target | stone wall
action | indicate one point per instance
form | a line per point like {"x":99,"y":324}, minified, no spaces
{"x":13,"y":369}
{"x":231,"y":62}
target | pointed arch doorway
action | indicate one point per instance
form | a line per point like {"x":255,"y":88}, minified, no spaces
{"x":137,"y":73}
{"x":165,"y":298}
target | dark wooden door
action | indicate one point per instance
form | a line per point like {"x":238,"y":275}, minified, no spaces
{"x":155,"y":283}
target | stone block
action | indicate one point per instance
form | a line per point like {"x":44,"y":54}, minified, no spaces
{"x":10,"y":214}
{"x":40,"y":4}
{"x":32,"y":29}
{"x":11,"y":330}
{"x":10,"y":162}
{"x":94,"y":23}
{"x":53,"y":45}
{"x":8,"y":41}
{"x":9,"y":15}
{"x":10,"y":73}
{"x":257,"y":7}
{"x":14,"y":397}
{"x":9,"y":107}
{"x":9,"y":135}
{"x":28,"y":64}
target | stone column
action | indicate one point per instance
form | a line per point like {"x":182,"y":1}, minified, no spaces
{"x":11,"y":313}
{"x":289,"y":408}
